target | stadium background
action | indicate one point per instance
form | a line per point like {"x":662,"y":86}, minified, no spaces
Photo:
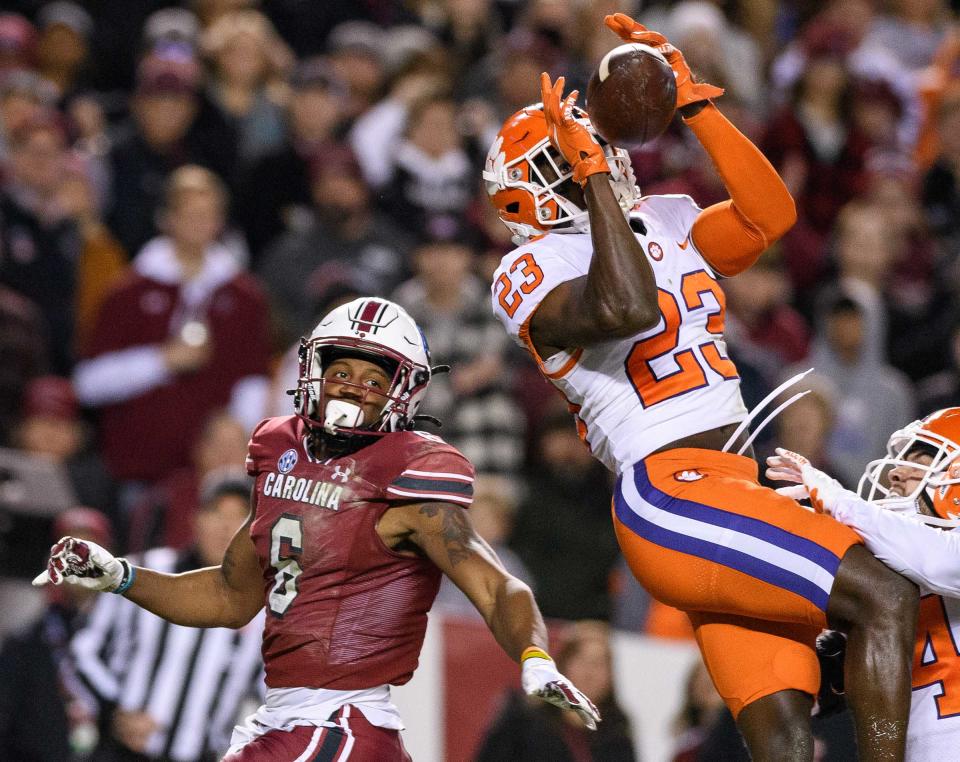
{"x":349,"y":137}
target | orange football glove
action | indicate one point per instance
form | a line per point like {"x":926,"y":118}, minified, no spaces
{"x":568,"y":136}
{"x":688,"y":91}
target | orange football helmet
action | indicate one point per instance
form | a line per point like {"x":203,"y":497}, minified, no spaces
{"x":531,"y":184}
{"x":938,"y":435}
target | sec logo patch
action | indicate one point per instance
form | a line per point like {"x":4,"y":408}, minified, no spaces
{"x":287,"y":461}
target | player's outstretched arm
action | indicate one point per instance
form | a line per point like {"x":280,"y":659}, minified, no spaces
{"x":730,"y":235}
{"x":618,"y":296}
{"x":229,"y":595}
{"x":444,"y":532}
{"x":927,"y":556}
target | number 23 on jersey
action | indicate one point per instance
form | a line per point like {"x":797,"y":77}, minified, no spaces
{"x":690,"y":373}
{"x":511,"y":298}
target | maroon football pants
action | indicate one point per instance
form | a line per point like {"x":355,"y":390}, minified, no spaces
{"x":352,"y":739}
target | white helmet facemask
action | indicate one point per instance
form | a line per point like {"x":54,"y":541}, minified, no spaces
{"x":548,"y":177}
{"x":874,"y":485}
{"x":380,"y":332}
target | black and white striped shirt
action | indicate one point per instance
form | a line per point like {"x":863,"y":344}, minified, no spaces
{"x":191,"y":681}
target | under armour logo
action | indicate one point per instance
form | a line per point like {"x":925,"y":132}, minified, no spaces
{"x":343,"y":474}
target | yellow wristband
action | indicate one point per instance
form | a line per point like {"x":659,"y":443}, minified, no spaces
{"x":534,"y":652}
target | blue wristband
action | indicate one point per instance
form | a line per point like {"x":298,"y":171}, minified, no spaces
{"x":129,"y":575}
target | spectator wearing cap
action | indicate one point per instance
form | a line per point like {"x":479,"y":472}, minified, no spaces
{"x":40,"y":244}
{"x":275,"y":192}
{"x":185,"y":334}
{"x":356,"y":51}
{"x":170,"y":692}
{"x":51,"y":427}
{"x":248,"y":62}
{"x":343,"y":230}
{"x":167,"y":513}
{"x":63,"y":48}
{"x":171,"y":125}
{"x":508,"y":79}
{"x":452,"y":307}
{"x":58,"y":723}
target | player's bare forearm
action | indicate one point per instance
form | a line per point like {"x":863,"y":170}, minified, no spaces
{"x":445,"y":533}
{"x":617,"y":297}
{"x":514,"y":618}
{"x":620,"y":288}
{"x":229,"y":595}
{"x":200,"y":598}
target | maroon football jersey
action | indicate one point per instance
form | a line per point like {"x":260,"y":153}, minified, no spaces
{"x":344,"y":611}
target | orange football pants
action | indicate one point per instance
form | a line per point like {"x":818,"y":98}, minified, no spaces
{"x":752,"y":569}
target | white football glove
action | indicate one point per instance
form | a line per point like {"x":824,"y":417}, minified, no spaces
{"x":84,"y":563}
{"x":823,"y":491}
{"x":539,"y":677}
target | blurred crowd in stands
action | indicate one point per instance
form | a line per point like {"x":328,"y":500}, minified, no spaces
{"x":186,"y":187}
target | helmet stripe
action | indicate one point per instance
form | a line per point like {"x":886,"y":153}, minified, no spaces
{"x":367,"y":314}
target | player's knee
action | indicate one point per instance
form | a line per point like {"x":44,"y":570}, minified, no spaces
{"x":869,"y":593}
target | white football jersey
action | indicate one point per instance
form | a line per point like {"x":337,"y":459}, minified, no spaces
{"x":632,"y":396}
{"x":934,"y":728}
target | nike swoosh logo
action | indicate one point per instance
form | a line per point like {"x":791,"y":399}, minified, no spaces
{"x":683,"y":244}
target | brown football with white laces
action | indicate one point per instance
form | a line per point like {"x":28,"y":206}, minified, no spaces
{"x":632,"y":96}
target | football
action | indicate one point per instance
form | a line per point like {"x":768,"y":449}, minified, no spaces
{"x":632,"y":95}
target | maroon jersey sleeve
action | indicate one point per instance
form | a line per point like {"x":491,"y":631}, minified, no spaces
{"x":434,"y":472}
{"x":268,"y":441}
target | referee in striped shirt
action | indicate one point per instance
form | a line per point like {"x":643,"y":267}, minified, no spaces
{"x":171,"y":692}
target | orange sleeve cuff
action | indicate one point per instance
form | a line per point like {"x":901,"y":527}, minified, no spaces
{"x":731,"y":235}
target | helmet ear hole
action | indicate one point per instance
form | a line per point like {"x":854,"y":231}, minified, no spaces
{"x":513,"y":207}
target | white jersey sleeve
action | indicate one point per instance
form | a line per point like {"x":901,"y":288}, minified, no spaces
{"x":670,"y":211}
{"x":527,"y":274}
{"x":928,"y":556}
